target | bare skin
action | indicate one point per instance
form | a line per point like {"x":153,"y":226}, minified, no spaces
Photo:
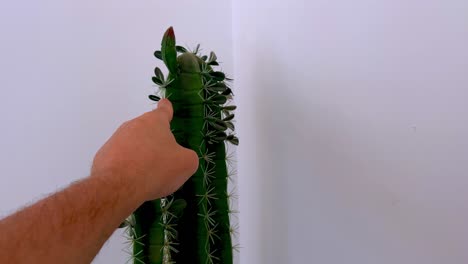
{"x":140,"y":162}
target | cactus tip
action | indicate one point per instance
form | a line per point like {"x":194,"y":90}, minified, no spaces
{"x":170,"y":32}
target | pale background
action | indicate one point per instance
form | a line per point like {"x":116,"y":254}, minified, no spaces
{"x":72,"y":71}
{"x":353,"y":121}
{"x":352,"y":115}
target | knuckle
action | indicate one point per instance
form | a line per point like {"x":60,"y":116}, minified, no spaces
{"x":124,"y":125}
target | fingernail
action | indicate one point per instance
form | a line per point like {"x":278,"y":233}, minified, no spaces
{"x":162,"y":101}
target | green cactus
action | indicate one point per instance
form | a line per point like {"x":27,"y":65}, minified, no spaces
{"x":193,"y":224}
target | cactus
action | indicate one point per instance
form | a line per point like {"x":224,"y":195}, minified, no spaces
{"x":193,"y":224}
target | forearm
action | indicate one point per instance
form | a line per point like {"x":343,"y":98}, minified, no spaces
{"x":70,"y":226}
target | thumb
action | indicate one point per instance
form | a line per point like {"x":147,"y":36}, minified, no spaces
{"x":165,"y":108}
{"x":189,"y":160}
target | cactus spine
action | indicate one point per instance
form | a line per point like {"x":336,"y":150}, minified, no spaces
{"x":193,"y":224}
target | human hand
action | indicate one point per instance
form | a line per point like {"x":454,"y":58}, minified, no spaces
{"x":144,"y":152}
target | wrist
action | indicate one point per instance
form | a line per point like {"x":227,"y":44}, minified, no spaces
{"x":121,"y":181}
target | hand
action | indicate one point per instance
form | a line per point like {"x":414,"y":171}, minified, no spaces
{"x":144,"y":152}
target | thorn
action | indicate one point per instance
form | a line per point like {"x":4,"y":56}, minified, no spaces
{"x":211,"y":257}
{"x":208,"y":217}
{"x":234,"y":230}
{"x":208,"y":174}
{"x":232,"y":174}
{"x":200,"y":94}
{"x":212,"y":234}
{"x":230,"y":158}
{"x":232,"y":195}
{"x":208,"y":157}
{"x":208,"y":196}
{"x":236,"y":248}
{"x":170,"y":246}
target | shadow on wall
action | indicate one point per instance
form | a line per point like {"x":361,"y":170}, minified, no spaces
{"x":269,"y":115}
{"x":295,"y":140}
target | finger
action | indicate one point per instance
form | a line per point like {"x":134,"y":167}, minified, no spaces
{"x":165,"y":108}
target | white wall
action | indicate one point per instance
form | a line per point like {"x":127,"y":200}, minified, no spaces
{"x":353,"y":126}
{"x":72,"y":71}
{"x":352,"y":115}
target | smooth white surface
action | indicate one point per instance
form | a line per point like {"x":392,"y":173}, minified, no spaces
{"x":353,"y":126}
{"x":352,"y":115}
{"x":71,"y":72}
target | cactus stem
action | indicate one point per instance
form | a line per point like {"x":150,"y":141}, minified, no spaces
{"x":195,"y":220}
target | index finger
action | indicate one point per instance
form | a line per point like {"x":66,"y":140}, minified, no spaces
{"x":165,"y":108}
